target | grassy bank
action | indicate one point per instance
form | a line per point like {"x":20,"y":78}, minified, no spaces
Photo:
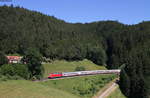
{"x":28,"y":89}
{"x":78,"y":87}
{"x":65,"y":66}
{"x":85,"y":87}
{"x":117,"y":94}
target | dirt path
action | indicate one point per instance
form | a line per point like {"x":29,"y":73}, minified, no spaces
{"x":107,"y":90}
{"x":106,"y":93}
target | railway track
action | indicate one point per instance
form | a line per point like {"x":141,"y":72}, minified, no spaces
{"x":64,"y":75}
{"x":47,"y":79}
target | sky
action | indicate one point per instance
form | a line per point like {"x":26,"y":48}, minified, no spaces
{"x":85,"y":11}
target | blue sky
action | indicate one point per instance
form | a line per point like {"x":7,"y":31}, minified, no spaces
{"x":124,"y":11}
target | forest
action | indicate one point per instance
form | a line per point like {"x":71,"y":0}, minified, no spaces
{"x":106,"y":43}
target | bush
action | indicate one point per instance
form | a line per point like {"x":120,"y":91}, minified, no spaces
{"x":80,"y":68}
{"x":7,"y":69}
{"x":3,"y":78}
{"x":8,"y":77}
{"x":21,"y":70}
{"x":83,"y":88}
{"x":15,"y":71}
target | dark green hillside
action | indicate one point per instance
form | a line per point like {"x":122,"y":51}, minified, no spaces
{"x":104,"y":42}
{"x":55,"y":39}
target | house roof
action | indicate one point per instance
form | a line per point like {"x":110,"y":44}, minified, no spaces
{"x":14,"y":57}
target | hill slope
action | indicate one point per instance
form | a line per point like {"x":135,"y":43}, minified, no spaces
{"x":53,"y":38}
{"x":64,"y":66}
{"x":85,"y":86}
{"x":76,"y":87}
{"x":28,"y":89}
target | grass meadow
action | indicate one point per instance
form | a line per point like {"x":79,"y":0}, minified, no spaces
{"x":65,"y":66}
{"x":84,"y":87}
{"x":29,"y":89}
{"x":78,"y":87}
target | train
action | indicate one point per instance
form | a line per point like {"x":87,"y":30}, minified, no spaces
{"x":81,"y":73}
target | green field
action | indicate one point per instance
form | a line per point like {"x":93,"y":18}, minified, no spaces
{"x":28,"y":89}
{"x":117,"y":94}
{"x":85,"y":87}
{"x":78,"y":87}
{"x":65,"y":66}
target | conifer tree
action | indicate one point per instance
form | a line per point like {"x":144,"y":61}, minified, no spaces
{"x":3,"y":59}
{"x":125,"y":83}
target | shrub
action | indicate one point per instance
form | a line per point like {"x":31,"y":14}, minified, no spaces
{"x":3,"y":78}
{"x":7,"y":69}
{"x":80,"y":68}
{"x":15,"y":71}
{"x":21,"y":70}
{"x":83,"y":88}
{"x":15,"y":77}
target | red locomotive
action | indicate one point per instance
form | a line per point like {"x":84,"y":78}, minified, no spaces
{"x":55,"y":75}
